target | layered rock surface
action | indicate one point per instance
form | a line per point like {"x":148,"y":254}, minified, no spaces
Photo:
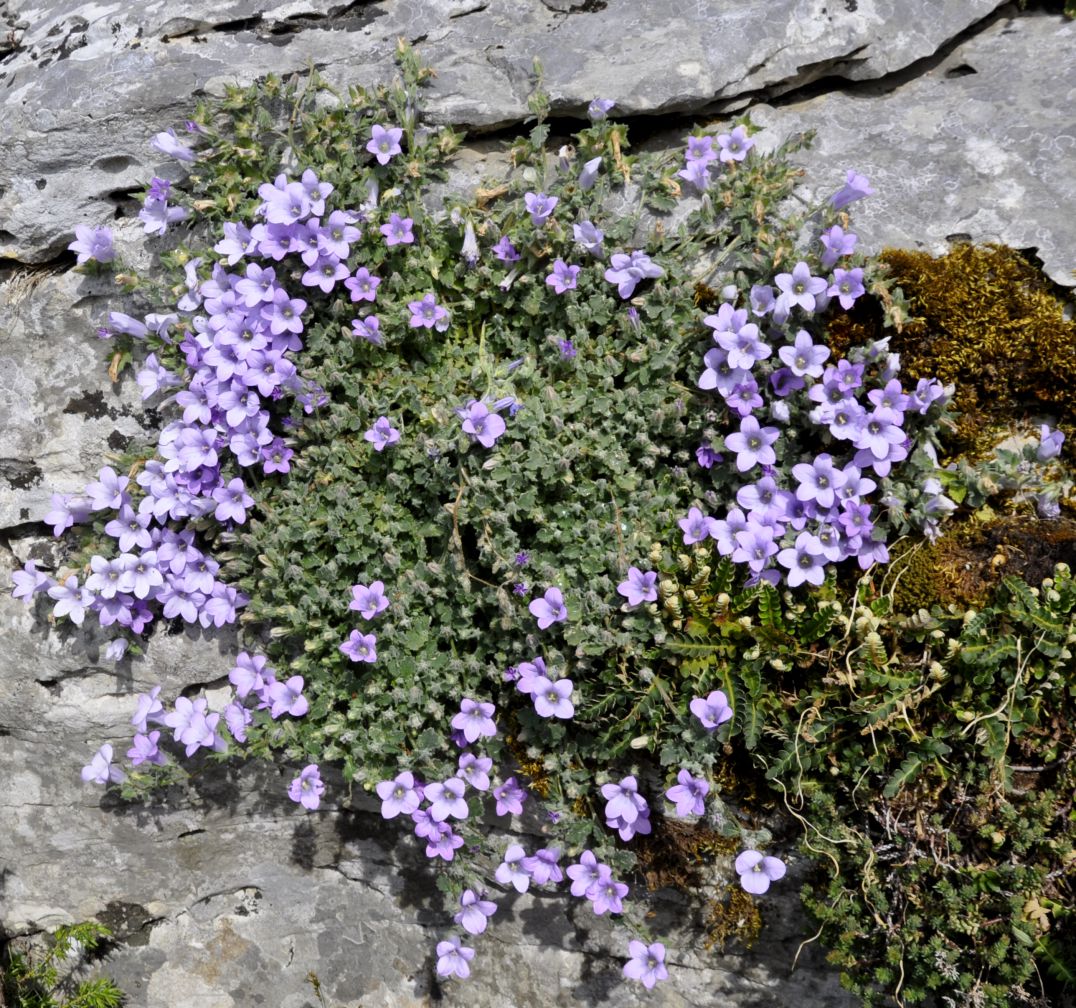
{"x":230,"y":896}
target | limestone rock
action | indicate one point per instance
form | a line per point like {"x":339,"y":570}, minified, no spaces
{"x":86,"y":89}
{"x":980,"y":147}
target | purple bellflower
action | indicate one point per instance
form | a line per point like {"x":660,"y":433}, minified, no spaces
{"x":757,"y":871}
{"x":549,"y":609}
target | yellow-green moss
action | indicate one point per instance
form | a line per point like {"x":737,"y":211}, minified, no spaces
{"x":986,"y":320}
{"x":965,"y":565}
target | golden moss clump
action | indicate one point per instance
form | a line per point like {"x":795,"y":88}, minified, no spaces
{"x":965,"y":565}
{"x":986,"y":320}
{"x":737,"y":918}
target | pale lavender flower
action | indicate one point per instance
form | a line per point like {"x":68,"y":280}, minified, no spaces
{"x":93,"y":244}
{"x":428,"y":314}
{"x":847,"y":286}
{"x":236,"y":719}
{"x":564,"y":277}
{"x":627,"y":270}
{"x":446,"y":799}
{"x":474,"y":770}
{"x":485,"y":427}
{"x":454,"y":958}
{"x":542,"y":866}
{"x":368,"y":601}
{"x":475,"y":720}
{"x":799,"y":287}
{"x":168,"y":143}
{"x":623,"y":800}
{"x":804,"y":561}
{"x":512,"y":871}
{"x":757,"y":871}
{"x":71,"y":600}
{"x":640,"y":587}
{"x":689,"y":794}
{"x":250,"y":674}
{"x":1050,"y":442}
{"x":28,"y":582}
{"x":549,"y":609}
{"x":647,"y":963}
{"x":384,"y":143}
{"x":156,"y":215}
{"x":735,"y":145}
{"x":368,"y":328}
{"x":713,"y":710}
{"x":382,"y":434}
{"x":149,"y":708}
{"x":589,"y":237}
{"x":287,"y":698}
{"x":539,"y":206}
{"x":697,"y":527}
{"x":398,"y":230}
{"x":100,"y":769}
{"x":837,"y":244}
{"x":505,"y":250}
{"x":804,"y":357}
{"x":855,"y":188}
{"x":552,"y":699}
{"x":398,"y":796}
{"x":752,"y":444}
{"x":474,"y":912}
{"x":307,"y":788}
{"x":509,"y":797}
{"x":360,"y":647}
{"x":585,"y":873}
{"x":697,"y":174}
{"x":144,"y":749}
{"x":599,"y":108}
{"x":362,"y":285}
{"x":589,"y":175}
{"x":606,"y":893}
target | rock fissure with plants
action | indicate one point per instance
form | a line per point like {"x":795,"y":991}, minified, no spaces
{"x":587,"y":494}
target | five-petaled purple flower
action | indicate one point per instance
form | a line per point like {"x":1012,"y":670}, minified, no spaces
{"x":485,"y":427}
{"x":757,"y":871}
{"x":640,"y":587}
{"x":398,"y":796}
{"x":384,"y":143}
{"x":713,"y":710}
{"x":454,"y":958}
{"x":368,"y":601}
{"x":855,"y":188}
{"x":427,"y":314}
{"x":475,"y":720}
{"x":307,"y":788}
{"x":539,"y":206}
{"x":360,"y":647}
{"x":647,"y":963}
{"x":93,"y":244}
{"x":688,"y":794}
{"x":549,"y":609}
{"x":382,"y":434}
{"x":474,"y":912}
{"x":564,"y":276}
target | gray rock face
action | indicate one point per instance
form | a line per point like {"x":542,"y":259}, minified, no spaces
{"x":980,"y":147}
{"x":84,"y":92}
{"x":230,"y":895}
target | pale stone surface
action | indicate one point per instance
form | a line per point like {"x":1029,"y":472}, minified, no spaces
{"x":981,"y":146}
{"x":85,"y":89}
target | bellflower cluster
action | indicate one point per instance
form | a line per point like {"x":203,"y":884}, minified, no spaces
{"x":807,"y":511}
